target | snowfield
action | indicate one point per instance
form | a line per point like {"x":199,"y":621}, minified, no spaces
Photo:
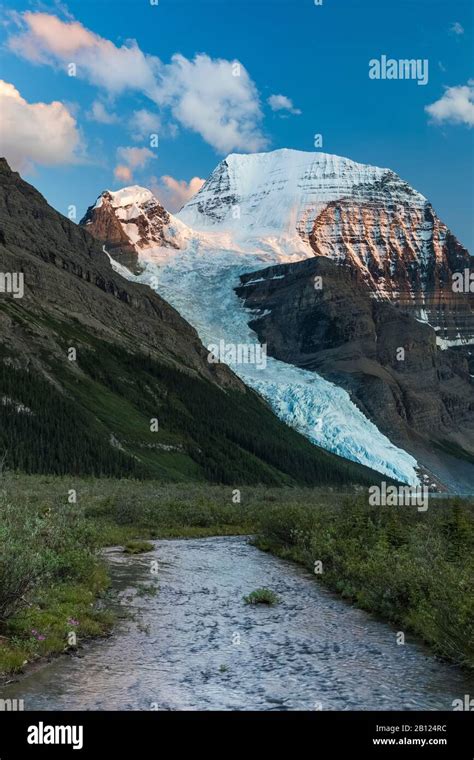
{"x":254,"y":211}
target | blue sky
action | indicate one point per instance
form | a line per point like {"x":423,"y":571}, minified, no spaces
{"x":317,"y":57}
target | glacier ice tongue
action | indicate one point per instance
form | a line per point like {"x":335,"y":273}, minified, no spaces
{"x":200,"y":283}
{"x":255,"y":211}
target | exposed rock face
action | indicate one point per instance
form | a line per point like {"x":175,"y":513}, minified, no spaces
{"x":104,"y":225}
{"x":297,"y":204}
{"x":291,"y":206}
{"x":420,"y":396}
{"x":67,"y":274}
{"x":134,"y":358}
{"x":405,"y":253}
{"x":130,"y":220}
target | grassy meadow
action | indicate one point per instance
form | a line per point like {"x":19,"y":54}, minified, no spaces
{"x":413,"y":569}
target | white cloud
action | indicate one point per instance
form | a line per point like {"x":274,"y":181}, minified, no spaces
{"x":143,"y":124}
{"x":46,"y":39}
{"x":213,"y":97}
{"x":99,"y":112}
{"x":123,"y":173}
{"x":136,"y":158}
{"x":456,"y":105}
{"x":36,"y":133}
{"x":173,"y":193}
{"x":131,"y":158}
{"x":282,"y":103}
{"x":456,"y":28}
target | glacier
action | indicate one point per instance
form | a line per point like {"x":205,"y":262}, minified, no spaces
{"x":255,"y":211}
{"x":199,"y":282}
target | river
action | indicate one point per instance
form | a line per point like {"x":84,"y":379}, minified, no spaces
{"x":195,"y":644}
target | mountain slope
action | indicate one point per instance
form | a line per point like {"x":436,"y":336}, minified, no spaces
{"x":288,"y":206}
{"x":291,"y":205}
{"x":89,"y":360}
{"x":419,"y":396}
{"x":130,"y":221}
{"x":199,"y":279}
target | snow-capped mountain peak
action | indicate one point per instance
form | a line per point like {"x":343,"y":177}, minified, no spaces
{"x":280,"y":207}
{"x":134,"y":195}
{"x":132,"y":220}
{"x":129,"y":200}
{"x":283,"y":191}
{"x":288,"y":205}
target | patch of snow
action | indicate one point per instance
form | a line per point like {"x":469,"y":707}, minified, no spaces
{"x":444,"y":343}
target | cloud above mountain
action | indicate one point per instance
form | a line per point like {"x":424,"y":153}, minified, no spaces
{"x":131,"y":158}
{"x":456,"y":28}
{"x":102,"y":114}
{"x":215,"y":98}
{"x":455,"y":106}
{"x":143,"y":124}
{"x":46,"y":39}
{"x":174,"y":193}
{"x":282,"y":103}
{"x":36,"y":133}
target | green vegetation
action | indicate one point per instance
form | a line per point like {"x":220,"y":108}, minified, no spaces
{"x":262,"y":596}
{"x":94,"y":419}
{"x":138,"y":547}
{"x":148,"y":590}
{"x":414,"y":569}
{"x":50,"y":577}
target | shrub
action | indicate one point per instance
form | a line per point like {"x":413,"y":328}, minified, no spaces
{"x":262,"y":596}
{"x":413,"y":569}
{"x":138,"y":547}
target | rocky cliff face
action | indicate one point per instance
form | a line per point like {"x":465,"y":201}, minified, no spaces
{"x":298,"y":204}
{"x":405,"y":254}
{"x":88,"y":360}
{"x":131,"y":221}
{"x":67,"y":272}
{"x":290,"y":206}
{"x":323,"y":317}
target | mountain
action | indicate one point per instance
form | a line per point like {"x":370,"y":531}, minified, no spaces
{"x":130,"y":221}
{"x":225,"y":261}
{"x":100,"y":375}
{"x":418,"y":395}
{"x":297,"y":203}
